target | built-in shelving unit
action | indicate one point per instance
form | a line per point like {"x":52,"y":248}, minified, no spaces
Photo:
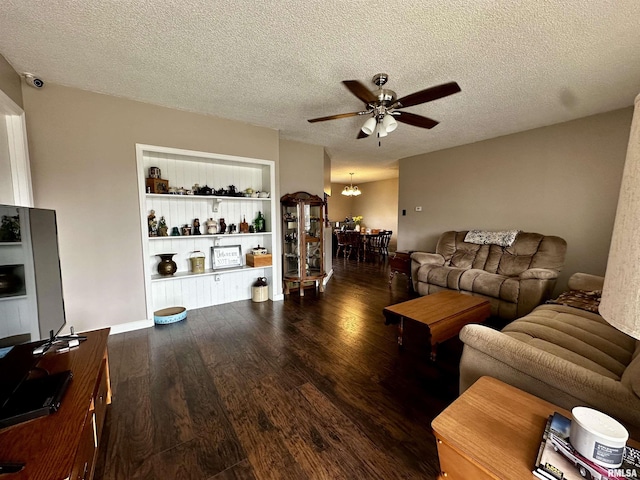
{"x":184,"y":168}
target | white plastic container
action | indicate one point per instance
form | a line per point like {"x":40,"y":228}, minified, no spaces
{"x":598,"y":437}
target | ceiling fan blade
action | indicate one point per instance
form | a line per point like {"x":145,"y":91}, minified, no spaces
{"x":428,"y":95}
{"x":361,"y":134}
{"x":415,"y":120}
{"x":360,"y":91}
{"x":334,"y":117}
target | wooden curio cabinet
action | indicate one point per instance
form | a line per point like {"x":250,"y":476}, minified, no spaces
{"x":302,"y":241}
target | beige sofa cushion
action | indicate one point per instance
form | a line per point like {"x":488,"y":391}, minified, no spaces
{"x":631,"y":376}
{"x":490,"y":285}
{"x":445,"y":277}
{"x":578,"y":336}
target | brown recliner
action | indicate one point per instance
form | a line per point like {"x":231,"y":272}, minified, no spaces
{"x":515,"y":279}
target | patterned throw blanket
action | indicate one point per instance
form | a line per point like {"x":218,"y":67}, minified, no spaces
{"x":504,"y":238}
{"x":582,"y":299}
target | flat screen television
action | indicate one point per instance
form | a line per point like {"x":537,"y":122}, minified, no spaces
{"x":31,"y":299}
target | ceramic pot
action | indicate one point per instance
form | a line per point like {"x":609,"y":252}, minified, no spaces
{"x":212,"y":226}
{"x":197,"y":261}
{"x":259,"y":250}
{"x":167,"y":266}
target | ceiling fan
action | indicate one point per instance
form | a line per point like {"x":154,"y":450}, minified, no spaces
{"x":383,"y":106}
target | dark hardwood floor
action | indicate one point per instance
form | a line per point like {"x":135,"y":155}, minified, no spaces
{"x":309,"y":388}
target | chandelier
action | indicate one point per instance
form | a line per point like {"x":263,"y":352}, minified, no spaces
{"x":351,"y":191}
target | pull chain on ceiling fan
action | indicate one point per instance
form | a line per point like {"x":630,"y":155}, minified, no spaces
{"x":383,"y":106}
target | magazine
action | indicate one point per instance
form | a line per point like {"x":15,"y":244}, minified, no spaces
{"x":558,"y":460}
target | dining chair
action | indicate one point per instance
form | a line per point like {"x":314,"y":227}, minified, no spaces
{"x":384,"y":242}
{"x":348,"y":242}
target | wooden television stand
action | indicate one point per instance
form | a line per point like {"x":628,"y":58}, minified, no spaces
{"x":63,"y":445}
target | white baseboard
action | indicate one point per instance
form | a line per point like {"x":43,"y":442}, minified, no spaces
{"x":329,"y":275}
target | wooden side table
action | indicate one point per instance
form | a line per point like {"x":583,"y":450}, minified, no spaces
{"x":492,"y":431}
{"x":400,"y":263}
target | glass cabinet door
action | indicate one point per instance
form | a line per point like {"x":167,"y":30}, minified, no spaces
{"x":313,"y":242}
{"x":291,"y":248}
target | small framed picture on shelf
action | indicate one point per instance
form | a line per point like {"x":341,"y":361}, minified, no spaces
{"x":226,"y":256}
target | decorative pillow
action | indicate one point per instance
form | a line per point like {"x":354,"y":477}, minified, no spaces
{"x":582,"y":299}
{"x":504,"y":238}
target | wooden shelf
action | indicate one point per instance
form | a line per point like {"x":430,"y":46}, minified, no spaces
{"x":13,"y":297}
{"x":206,"y":197}
{"x":218,"y":235}
{"x":208,"y":272}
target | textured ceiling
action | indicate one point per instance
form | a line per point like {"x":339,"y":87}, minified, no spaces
{"x":520,"y":64}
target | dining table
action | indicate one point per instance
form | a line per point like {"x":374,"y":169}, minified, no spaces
{"x":371,"y":243}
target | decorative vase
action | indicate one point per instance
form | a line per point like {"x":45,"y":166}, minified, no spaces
{"x":260,"y":223}
{"x":167,"y":266}
{"x":357,"y":227}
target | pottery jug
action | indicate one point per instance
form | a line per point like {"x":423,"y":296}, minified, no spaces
{"x":167,"y":266}
{"x":260,"y":290}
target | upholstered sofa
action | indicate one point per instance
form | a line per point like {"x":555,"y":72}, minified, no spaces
{"x":567,"y":355}
{"x":515,"y":276}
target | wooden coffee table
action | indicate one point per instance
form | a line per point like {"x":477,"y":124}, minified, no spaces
{"x":444,"y":313}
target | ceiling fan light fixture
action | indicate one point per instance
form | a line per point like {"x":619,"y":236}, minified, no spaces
{"x":384,"y":106}
{"x":369,"y":126}
{"x":389,"y":123}
{"x":356,"y":191}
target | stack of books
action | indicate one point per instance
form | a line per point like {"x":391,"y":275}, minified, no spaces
{"x":558,"y":460}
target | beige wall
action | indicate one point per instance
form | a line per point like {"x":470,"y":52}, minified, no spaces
{"x":339,"y":205}
{"x":378,"y":206}
{"x":303,"y":168}
{"x":10,"y":81}
{"x":82,"y":148}
{"x":558,"y":180}
{"x":327,"y":173}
